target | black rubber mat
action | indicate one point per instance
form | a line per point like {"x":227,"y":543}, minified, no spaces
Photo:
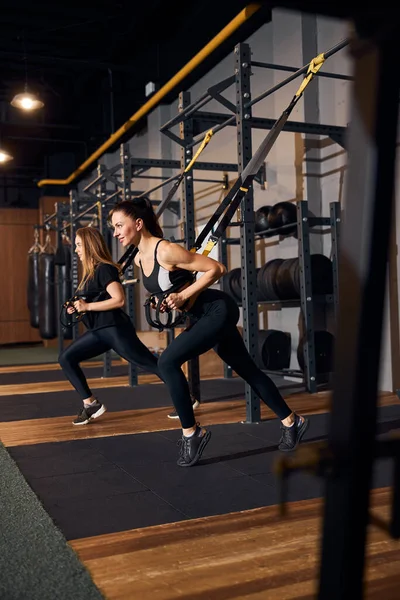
{"x":104,"y":485}
{"x":20,"y":407}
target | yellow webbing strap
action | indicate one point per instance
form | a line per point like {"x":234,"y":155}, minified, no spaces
{"x":313,"y":68}
{"x":200,"y":150}
{"x":209,"y":246}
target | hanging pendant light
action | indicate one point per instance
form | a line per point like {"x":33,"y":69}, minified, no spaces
{"x":26,"y":101}
{"x":5,"y":156}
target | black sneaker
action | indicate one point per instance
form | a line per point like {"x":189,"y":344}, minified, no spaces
{"x":88,"y":413}
{"x":192,"y":447}
{"x":291,"y":436}
{"x":174,"y":414}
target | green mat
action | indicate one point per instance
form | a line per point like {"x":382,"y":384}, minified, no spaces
{"x":36,"y":562}
{"x":33,"y":355}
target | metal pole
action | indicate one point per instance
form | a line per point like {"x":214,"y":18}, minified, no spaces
{"x":262,"y":65}
{"x":335,"y":236}
{"x":101,"y":194}
{"x":59,"y":222}
{"x":364,"y":246}
{"x":223,"y":258}
{"x":306,"y":296}
{"x":188,"y":218}
{"x":74,"y":258}
{"x":126,"y":170}
{"x":158,"y":186}
{"x":304,"y":69}
{"x":247,"y":244}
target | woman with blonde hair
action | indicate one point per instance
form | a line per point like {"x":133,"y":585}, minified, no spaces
{"x":108,"y":325}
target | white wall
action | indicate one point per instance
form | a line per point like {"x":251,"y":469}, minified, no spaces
{"x":299,"y":167}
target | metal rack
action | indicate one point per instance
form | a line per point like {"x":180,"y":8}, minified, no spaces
{"x":306,"y":226}
{"x":192,"y":125}
{"x":243,"y":120}
{"x":96,"y":199}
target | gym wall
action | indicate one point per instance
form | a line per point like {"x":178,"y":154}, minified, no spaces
{"x":299,"y":167}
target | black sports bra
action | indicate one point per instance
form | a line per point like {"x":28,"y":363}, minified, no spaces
{"x":161,"y":281}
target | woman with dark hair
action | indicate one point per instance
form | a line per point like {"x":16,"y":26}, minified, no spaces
{"x":109,"y":327}
{"x":213,"y":316}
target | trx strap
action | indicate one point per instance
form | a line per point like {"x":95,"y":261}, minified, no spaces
{"x":155,"y":301}
{"x":188,"y":167}
{"x":68,"y":320}
{"x":229,"y":205}
{"x":232,"y":200}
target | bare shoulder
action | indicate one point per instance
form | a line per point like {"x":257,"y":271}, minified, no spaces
{"x":170,"y":252}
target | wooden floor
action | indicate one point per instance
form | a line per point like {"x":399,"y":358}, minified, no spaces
{"x":253,"y":554}
{"x":95,"y":383}
{"x":53,"y":366}
{"x":248,"y":555}
{"x":59,"y":429}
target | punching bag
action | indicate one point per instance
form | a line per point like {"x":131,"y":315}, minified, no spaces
{"x":47,"y":295}
{"x":33,"y":282}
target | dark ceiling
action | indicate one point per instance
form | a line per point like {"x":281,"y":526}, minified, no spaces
{"x":90,"y":67}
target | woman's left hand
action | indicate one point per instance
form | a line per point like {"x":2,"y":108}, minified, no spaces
{"x":175,"y":301}
{"x":81,"y":306}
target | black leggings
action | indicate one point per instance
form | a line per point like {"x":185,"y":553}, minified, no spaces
{"x":123,"y":340}
{"x":213,"y":325}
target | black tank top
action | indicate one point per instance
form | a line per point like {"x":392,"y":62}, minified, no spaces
{"x":160,"y":280}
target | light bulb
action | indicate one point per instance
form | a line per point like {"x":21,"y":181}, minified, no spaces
{"x":27,"y":103}
{"x":5,"y":156}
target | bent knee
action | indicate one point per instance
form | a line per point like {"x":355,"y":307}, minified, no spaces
{"x":166,"y":362}
{"x":65,"y":359}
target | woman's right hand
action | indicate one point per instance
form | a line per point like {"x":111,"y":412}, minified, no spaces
{"x":70,"y":310}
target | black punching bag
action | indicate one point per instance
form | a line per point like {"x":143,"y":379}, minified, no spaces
{"x":32,"y":288}
{"x":47,"y":295}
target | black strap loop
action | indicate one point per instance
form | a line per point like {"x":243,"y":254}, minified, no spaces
{"x":155,"y":302}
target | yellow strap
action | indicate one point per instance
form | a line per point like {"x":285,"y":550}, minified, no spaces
{"x":242,"y":189}
{"x":209,"y":246}
{"x":200,"y":150}
{"x":313,"y":68}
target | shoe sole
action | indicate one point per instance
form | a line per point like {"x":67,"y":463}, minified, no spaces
{"x":96,"y":415}
{"x":301,"y":432}
{"x":204,"y":442}
{"x":176,"y":416}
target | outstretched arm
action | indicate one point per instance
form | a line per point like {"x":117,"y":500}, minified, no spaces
{"x":172,"y":255}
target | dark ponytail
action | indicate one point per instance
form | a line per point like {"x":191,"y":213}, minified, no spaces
{"x":141,"y":208}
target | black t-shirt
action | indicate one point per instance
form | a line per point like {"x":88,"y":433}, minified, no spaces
{"x":96,"y":292}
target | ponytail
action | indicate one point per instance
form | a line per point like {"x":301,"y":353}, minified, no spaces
{"x":141,"y":208}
